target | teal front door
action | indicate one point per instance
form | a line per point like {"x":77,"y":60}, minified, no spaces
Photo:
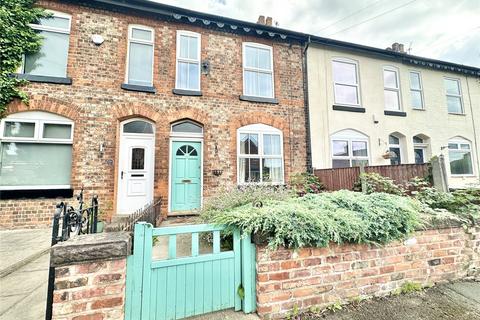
{"x":186,"y":175}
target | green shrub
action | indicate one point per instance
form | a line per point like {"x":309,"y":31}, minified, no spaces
{"x":241,"y":195}
{"x":375,"y":182}
{"x":317,"y":219}
{"x":463,"y":203}
{"x":304,"y":183}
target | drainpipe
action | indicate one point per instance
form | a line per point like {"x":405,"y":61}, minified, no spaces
{"x":475,"y":142}
{"x":307,"y":114}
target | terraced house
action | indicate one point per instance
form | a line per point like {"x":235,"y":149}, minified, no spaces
{"x":137,"y":100}
{"x":386,"y":107}
{"x":134,"y":100}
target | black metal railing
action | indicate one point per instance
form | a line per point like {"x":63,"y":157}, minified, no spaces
{"x":151,"y":213}
{"x":67,"y":222}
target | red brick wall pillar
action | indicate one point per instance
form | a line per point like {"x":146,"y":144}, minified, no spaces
{"x":90,"y":274}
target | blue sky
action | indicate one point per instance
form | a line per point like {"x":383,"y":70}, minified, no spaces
{"x":440,"y":29}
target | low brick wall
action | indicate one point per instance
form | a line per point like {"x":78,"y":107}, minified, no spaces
{"x":321,"y":276}
{"x":27,"y":213}
{"x":90,"y":274}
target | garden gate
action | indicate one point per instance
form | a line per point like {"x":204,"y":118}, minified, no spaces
{"x":180,"y":287}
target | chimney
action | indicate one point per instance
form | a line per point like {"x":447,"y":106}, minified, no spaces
{"x":397,"y":47}
{"x":269,"y":21}
{"x":261,"y":20}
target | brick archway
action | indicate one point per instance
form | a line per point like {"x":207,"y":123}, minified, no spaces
{"x":261,"y":118}
{"x":46,"y":104}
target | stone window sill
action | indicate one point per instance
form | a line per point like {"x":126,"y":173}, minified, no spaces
{"x":44,"y":79}
{"x":133,"y":87}
{"x":35,"y":194}
{"x":395,"y":113}
{"x":349,"y":109}
{"x":184,"y":92}
{"x":258,"y":99}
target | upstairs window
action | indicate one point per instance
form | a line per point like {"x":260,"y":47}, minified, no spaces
{"x":188,"y":60}
{"x":257,"y":70}
{"x":349,"y":149}
{"x":140,"y":56}
{"x":51,"y":59}
{"x":345,"y":82}
{"x":260,"y":154}
{"x":460,"y":156}
{"x":416,"y":90}
{"x":391,"y":89}
{"x":454,"y":95}
{"x":35,"y":151}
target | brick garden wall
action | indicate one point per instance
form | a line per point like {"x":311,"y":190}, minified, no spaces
{"x":93,"y":290}
{"x":97,"y":104}
{"x":90,"y":276}
{"x":321,"y":276}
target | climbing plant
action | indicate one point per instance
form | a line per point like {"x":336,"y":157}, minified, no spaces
{"x":16,"y":39}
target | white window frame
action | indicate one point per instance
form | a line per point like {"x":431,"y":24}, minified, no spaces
{"x":185,"y":134}
{"x":418,"y":90}
{"x":187,"y":60}
{"x":458,"y":141}
{"x":39,"y":118}
{"x":459,"y":95}
{"x":258,"y":70}
{"x":349,"y":136}
{"x":397,"y":89}
{"x":357,"y":85}
{"x":40,"y":27}
{"x":141,"y":41}
{"x":260,"y":130}
{"x":394,"y":145}
{"x":422,"y":146}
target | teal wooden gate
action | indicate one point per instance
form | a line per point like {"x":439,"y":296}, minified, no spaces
{"x":180,"y":287}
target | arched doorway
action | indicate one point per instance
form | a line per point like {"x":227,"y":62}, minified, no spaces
{"x":135,"y":165}
{"x":186,"y":167}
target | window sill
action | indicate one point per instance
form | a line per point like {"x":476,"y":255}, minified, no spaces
{"x":185,"y":92}
{"x":417,"y":109}
{"x":44,"y":79}
{"x":349,"y":109}
{"x":259,"y":99}
{"x":36,"y":193}
{"x":133,"y":87}
{"x":457,"y":114}
{"x":395,"y":113}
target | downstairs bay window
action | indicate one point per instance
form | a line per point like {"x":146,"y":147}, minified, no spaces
{"x":259,"y":154}
{"x":35,"y":151}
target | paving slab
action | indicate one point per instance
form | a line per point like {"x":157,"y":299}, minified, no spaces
{"x":23,"y":293}
{"x":441,"y":302}
{"x":19,"y":247}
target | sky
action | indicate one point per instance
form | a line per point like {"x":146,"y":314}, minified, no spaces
{"x":441,"y":29}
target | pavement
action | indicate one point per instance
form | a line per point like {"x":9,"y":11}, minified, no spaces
{"x":454,"y":301}
{"x":24,"y":273}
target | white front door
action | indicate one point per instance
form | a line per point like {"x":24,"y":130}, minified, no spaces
{"x":136,"y":166}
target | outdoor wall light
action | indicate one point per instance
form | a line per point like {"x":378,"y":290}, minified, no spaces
{"x":217,"y":172}
{"x":206,"y":67}
{"x":97,"y":39}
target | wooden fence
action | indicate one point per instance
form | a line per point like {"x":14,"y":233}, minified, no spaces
{"x":344,"y":178}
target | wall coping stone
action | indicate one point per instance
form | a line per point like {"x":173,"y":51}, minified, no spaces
{"x":91,"y":248}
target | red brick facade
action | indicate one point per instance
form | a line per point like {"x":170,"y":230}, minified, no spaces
{"x":322,"y":276}
{"x":93,"y":290}
{"x":97,"y":105}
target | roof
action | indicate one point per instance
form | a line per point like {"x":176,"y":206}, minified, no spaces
{"x":210,"y":21}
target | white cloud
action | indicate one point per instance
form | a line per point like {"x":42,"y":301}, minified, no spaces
{"x":440,"y":29}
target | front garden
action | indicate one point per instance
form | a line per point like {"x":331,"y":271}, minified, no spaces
{"x":301,"y":215}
